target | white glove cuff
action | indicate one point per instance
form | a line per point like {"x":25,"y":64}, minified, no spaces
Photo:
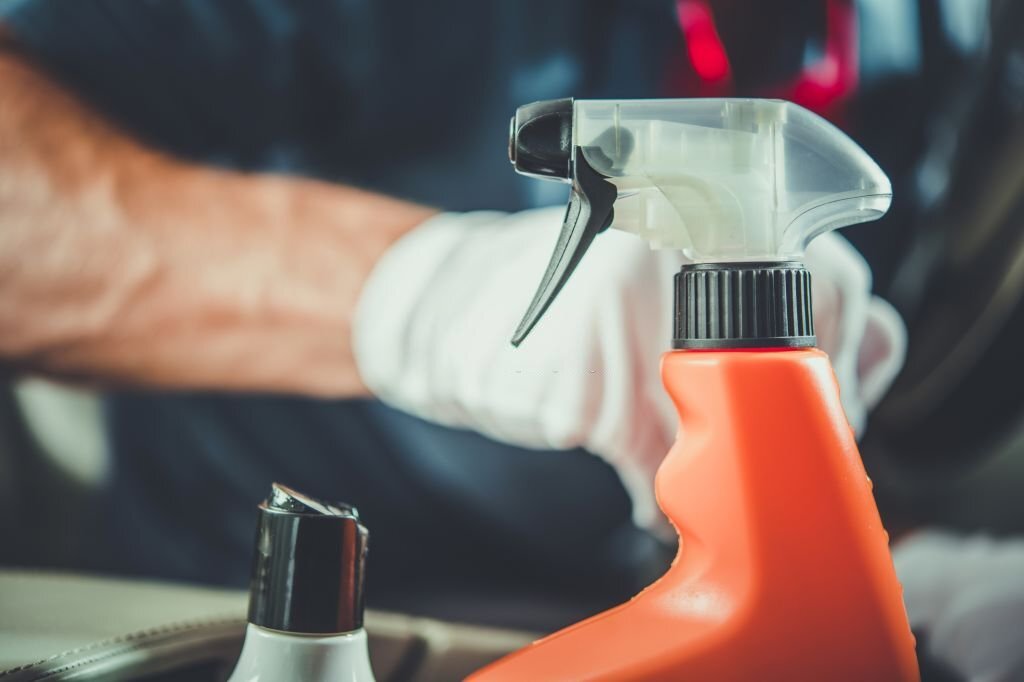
{"x":380,"y":328}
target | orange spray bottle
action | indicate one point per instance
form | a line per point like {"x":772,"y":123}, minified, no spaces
{"x":783,"y":571}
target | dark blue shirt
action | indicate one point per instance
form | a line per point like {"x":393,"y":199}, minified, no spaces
{"x":408,"y":98}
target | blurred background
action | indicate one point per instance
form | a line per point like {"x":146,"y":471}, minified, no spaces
{"x":412,"y":99}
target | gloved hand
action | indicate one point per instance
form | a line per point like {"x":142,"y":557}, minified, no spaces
{"x":967,"y":595}
{"x":432,"y":330}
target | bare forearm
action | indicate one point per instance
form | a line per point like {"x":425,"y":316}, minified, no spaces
{"x":120,"y":265}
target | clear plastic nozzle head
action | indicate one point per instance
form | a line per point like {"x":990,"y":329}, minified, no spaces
{"x":728,"y":180}
{"x":723,"y":180}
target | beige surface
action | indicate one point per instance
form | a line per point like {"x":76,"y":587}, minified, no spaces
{"x":43,"y":614}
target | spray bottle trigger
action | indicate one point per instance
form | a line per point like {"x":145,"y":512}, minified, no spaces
{"x":590,"y":212}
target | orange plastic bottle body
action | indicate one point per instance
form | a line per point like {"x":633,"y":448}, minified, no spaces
{"x":783,"y":573}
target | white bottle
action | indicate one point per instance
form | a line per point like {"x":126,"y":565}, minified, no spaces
{"x":306,"y":594}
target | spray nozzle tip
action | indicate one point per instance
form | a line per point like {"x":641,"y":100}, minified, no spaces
{"x":540,"y":139}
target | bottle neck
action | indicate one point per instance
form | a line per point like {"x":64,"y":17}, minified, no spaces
{"x":273,"y":655}
{"x":743,"y":305}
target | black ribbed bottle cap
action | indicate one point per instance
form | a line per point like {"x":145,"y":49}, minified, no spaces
{"x":743,"y":305}
{"x":307,"y":573}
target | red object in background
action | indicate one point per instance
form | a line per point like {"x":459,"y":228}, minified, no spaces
{"x":824,"y":86}
{"x":704,"y":47}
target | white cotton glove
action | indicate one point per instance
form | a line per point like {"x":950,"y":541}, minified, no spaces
{"x":432,"y":330}
{"x":863,"y":335}
{"x":967,"y":595}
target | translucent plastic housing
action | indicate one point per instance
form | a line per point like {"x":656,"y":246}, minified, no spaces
{"x":728,"y":179}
